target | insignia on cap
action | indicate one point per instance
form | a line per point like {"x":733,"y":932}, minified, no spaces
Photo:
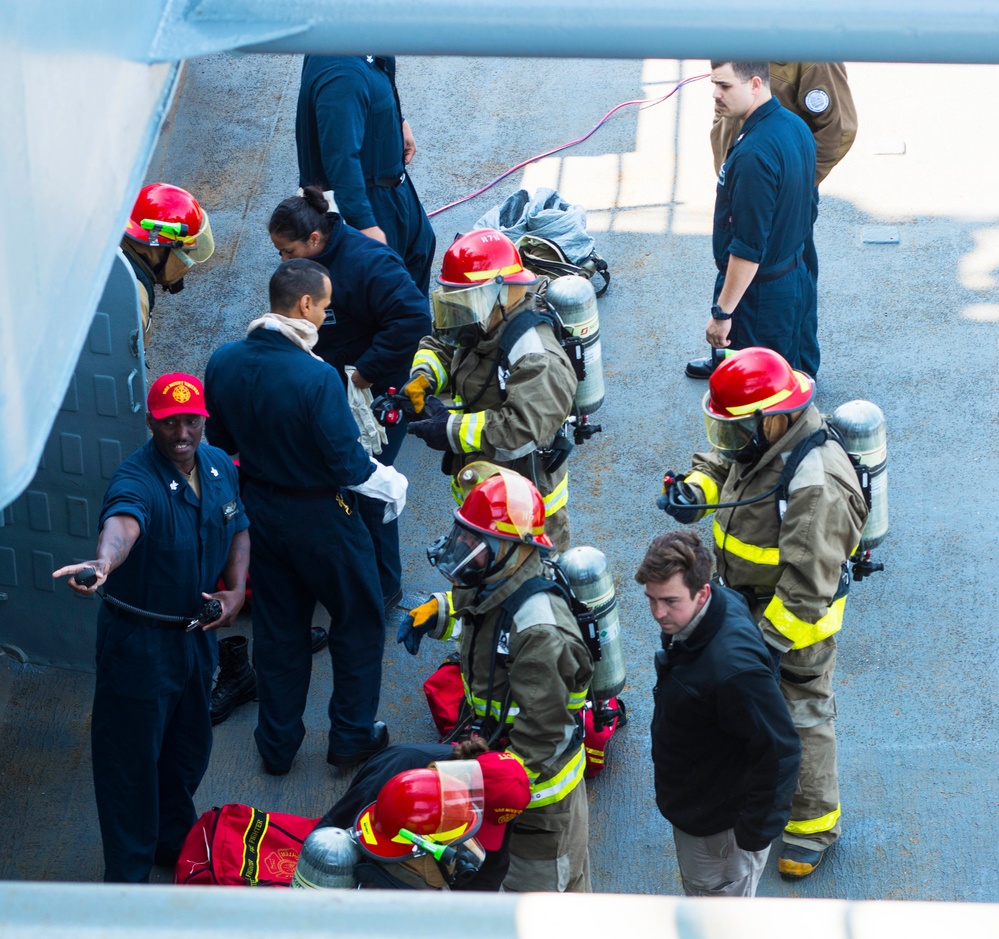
{"x":817,"y":100}
{"x":180,"y":392}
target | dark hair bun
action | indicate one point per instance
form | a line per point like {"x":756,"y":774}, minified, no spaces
{"x":313,"y":195}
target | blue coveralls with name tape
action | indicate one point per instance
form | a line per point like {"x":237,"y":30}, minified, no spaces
{"x":151,"y":733}
{"x":764,"y":210}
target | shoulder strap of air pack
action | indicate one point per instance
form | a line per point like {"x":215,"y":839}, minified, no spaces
{"x":798,"y":454}
{"x":526,"y":321}
{"x":559,"y":584}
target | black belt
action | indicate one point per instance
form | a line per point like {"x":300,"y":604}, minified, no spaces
{"x":146,"y":620}
{"x":287,"y":491}
{"x":386,"y":182}
{"x":779,"y":270}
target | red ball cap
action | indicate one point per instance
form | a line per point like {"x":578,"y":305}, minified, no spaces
{"x":507,"y":793}
{"x":176,"y":393}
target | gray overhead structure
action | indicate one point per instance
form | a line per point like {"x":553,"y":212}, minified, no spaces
{"x":84,"y":88}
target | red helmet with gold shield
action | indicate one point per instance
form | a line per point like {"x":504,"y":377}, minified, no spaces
{"x":478,"y":272}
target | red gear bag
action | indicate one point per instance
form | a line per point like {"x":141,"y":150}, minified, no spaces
{"x":239,"y":846}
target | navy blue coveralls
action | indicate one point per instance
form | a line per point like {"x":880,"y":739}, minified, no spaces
{"x":380,"y":319}
{"x":764,"y":210}
{"x":349,"y":135}
{"x":151,"y":732}
{"x":286,"y":414}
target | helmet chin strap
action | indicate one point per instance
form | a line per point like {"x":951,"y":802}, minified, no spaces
{"x":754,"y":450}
{"x":512,"y":560}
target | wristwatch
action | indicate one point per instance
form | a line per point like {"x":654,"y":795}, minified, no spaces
{"x":718,"y":314}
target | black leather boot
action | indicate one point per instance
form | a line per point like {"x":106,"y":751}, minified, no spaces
{"x":237,"y":681}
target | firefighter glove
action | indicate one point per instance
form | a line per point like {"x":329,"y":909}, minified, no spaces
{"x":433,"y":428}
{"x":427,"y":619}
{"x":417,"y":390}
{"x":678,"y":499}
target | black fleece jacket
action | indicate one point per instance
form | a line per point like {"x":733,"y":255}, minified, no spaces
{"x":725,"y":751}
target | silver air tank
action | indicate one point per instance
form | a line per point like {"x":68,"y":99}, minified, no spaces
{"x":864,"y":431}
{"x":328,"y":858}
{"x":575,"y":302}
{"x":587,"y":571}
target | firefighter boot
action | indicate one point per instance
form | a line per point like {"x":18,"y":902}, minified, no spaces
{"x":796,"y":862}
{"x":237,"y":681}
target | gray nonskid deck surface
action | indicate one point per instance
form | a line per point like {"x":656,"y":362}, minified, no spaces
{"x":910,"y":326}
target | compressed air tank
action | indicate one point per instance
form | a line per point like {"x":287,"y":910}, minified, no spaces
{"x":328,"y":859}
{"x":864,"y":430}
{"x":575,"y":302}
{"x":588,"y":572}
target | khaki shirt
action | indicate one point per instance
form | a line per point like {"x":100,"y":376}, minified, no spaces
{"x":819,"y":94}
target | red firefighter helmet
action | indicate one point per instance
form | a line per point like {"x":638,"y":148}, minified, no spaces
{"x":756,"y":380}
{"x":443,"y":803}
{"x":481,"y":256}
{"x":170,"y":217}
{"x":751,"y":383}
{"x":508,"y":506}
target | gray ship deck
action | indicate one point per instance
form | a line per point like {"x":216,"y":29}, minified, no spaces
{"x":910,"y":326}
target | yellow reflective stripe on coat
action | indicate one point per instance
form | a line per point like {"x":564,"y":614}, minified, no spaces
{"x":448,"y":631}
{"x":811,"y":826}
{"x":494,"y":709}
{"x":801,"y":632}
{"x":470,"y":431}
{"x":561,"y":784}
{"x":577,"y":699}
{"x":558,"y":497}
{"x":707,"y":485}
{"x":748,"y":552}
{"x":430,"y":360}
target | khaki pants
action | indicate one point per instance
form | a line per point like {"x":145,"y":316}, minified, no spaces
{"x":806,"y":683}
{"x":549,"y":847}
{"x":715,"y":866}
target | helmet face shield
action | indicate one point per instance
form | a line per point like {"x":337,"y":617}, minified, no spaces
{"x":462,"y":799}
{"x":201,"y":247}
{"x":731,"y":436}
{"x":458,"y":308}
{"x":464,"y":556}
